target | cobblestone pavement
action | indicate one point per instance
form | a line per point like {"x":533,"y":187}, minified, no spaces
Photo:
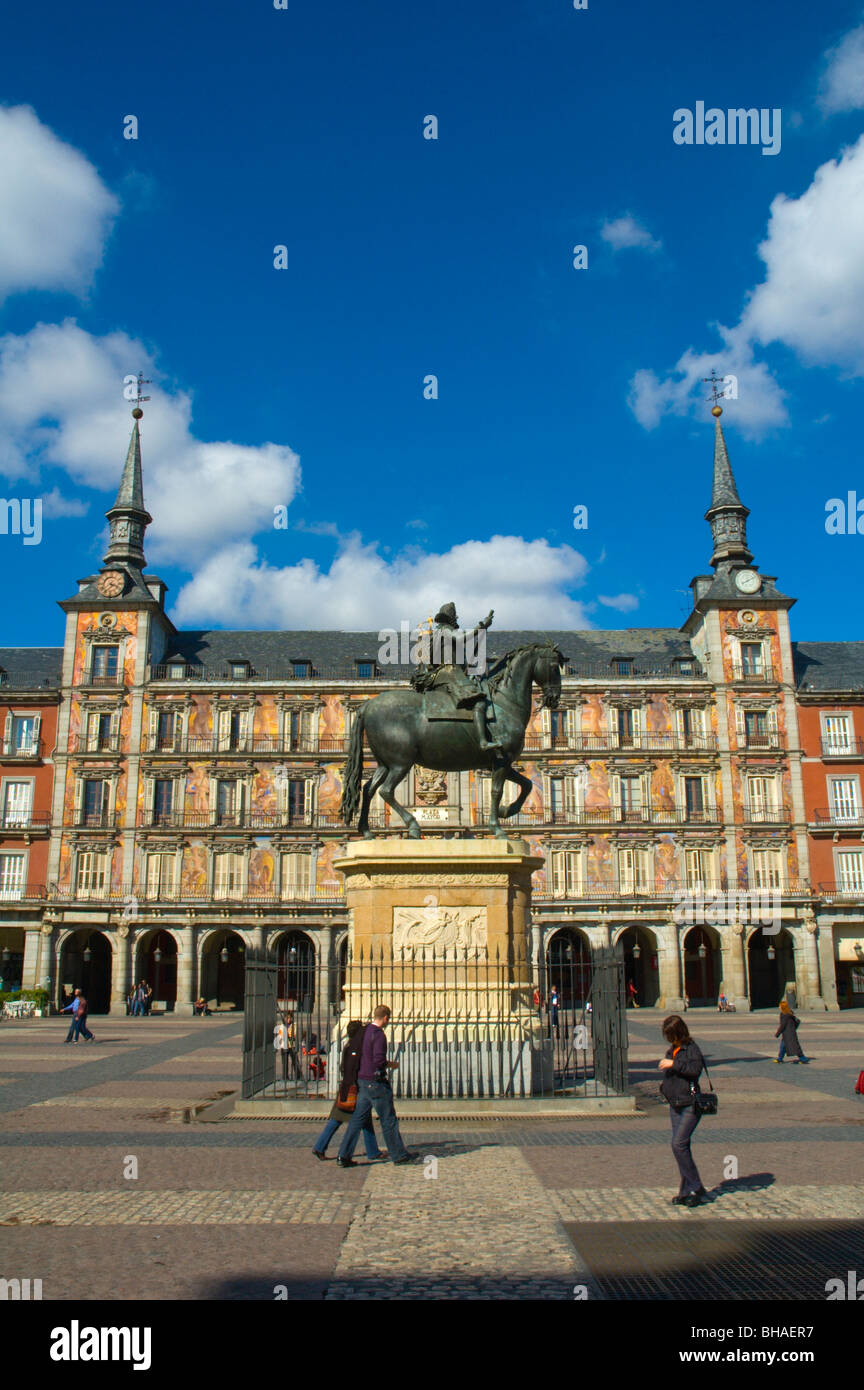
{"x":237,"y":1209}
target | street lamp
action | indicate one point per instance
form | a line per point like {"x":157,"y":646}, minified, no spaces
{"x":637,"y":951}
{"x":772,"y":954}
{"x":223,"y":955}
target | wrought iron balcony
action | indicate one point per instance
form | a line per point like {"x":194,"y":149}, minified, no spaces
{"x":96,"y":820}
{"x":109,"y":744}
{"x":27,"y":750}
{"x":28,"y":680}
{"x":21,"y":892}
{"x":759,"y":742}
{"x":841,"y":818}
{"x":23,"y":822}
{"x":755,"y":815}
{"x":612,"y":742}
{"x":258,"y":745}
{"x":580,"y":892}
{"x":226,"y":820}
{"x":759,"y":675}
{"x":842,"y":748}
{"x":843,"y":892}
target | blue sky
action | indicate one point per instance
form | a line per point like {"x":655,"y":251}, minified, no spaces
{"x":407,"y":257}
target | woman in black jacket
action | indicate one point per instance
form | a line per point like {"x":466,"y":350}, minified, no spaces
{"x":350,"y":1068}
{"x":681,"y":1069}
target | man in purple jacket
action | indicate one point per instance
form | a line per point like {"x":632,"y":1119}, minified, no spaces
{"x":373,"y":1089}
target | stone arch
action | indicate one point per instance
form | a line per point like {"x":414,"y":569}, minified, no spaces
{"x":85,"y":957}
{"x":568,"y":965}
{"x":221,"y":966}
{"x":770,"y":968}
{"x":701,"y":956}
{"x":160,"y":973}
{"x":297,"y":956}
{"x":12,"y":941}
{"x":637,"y":946}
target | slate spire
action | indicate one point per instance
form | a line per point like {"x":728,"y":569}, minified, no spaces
{"x":129,"y":517}
{"x":727,"y":513}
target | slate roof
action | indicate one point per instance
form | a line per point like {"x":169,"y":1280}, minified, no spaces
{"x":829,"y":665}
{"x":650,"y":648}
{"x":22,"y":667}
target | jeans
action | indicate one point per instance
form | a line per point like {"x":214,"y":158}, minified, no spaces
{"x":782,"y":1053}
{"x":137,"y":1008}
{"x":379,"y":1095}
{"x":684,"y":1119}
{"x":72,"y":1035}
{"x":80,"y":1027}
{"x":372,"y":1149}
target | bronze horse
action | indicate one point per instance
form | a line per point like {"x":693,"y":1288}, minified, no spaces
{"x":405,"y":727}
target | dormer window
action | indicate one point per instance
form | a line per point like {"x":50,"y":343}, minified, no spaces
{"x":365,"y":669}
{"x":685,"y":666}
{"x":176,"y":670}
{"x":240,"y":670}
{"x":301,"y":669}
{"x":622,"y":666}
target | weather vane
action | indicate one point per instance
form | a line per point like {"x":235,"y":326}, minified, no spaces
{"x":132,"y":391}
{"x":718,"y":391}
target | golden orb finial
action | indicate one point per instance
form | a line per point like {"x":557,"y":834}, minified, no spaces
{"x":717,"y":411}
{"x":137,"y":413}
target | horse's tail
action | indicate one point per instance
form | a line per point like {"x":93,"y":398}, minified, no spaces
{"x":353,"y":783}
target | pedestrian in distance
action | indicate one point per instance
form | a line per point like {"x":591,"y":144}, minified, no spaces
{"x":349,"y":1069}
{"x":285,"y":1046}
{"x":787,"y":1032}
{"x":631,"y":994}
{"x":373,"y":1090}
{"x":81,"y":1028}
{"x":682,"y":1067}
{"x":72,"y":1008}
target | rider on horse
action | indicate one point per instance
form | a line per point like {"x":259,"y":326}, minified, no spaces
{"x":465,"y":689}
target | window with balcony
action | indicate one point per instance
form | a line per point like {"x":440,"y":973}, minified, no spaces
{"x":559,"y":728}
{"x":300,"y":725}
{"x":234,"y":727}
{"x":227,"y":803}
{"x":757,"y":731}
{"x":94,"y":802}
{"x":21,"y":735}
{"x":161,"y":876}
{"x":11,"y":876}
{"x":692,"y":726}
{"x":752,"y":660}
{"x":628,"y":724}
{"x":694,"y":798}
{"x":761,"y":801}
{"x":767,"y":868}
{"x":228,"y":876}
{"x":163,"y":800}
{"x":837,"y":736}
{"x":634,"y":871}
{"x":698,"y":870}
{"x":106,"y":661}
{"x":564,"y":799}
{"x":850,"y":871}
{"x":295,"y":800}
{"x":17,"y":804}
{"x":166,"y":730}
{"x":296,"y":875}
{"x":845,"y":799}
{"x":99,"y":736}
{"x":632,"y":804}
{"x":567,"y":873}
{"x":92,"y":877}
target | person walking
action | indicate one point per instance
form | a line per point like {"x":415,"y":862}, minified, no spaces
{"x":553,"y":1008}
{"x":373,"y":1089}
{"x":285,"y":1045}
{"x":681,"y":1069}
{"x":787,"y":1032}
{"x":349,"y":1069}
{"x":631,"y":994}
{"x":81,"y":1021}
{"x":72,"y":1008}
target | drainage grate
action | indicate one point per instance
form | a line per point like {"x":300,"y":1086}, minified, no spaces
{"x":717,"y":1260}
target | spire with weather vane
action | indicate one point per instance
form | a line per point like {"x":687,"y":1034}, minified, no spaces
{"x":727,"y":514}
{"x":129,"y":518}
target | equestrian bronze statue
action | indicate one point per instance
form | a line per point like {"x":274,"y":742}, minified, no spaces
{"x":451,"y":721}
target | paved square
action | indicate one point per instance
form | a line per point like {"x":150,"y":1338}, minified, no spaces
{"x":98,"y":1170}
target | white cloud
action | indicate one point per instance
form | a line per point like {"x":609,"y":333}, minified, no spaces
{"x":842,"y":84}
{"x":626,"y":234}
{"x":528,"y":581}
{"x":61,"y":403}
{"x":624,"y":603}
{"x":55,"y":211}
{"x":811,"y":300}
{"x":54,"y":504}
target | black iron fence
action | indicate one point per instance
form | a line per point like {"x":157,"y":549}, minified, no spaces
{"x":464,"y":1024}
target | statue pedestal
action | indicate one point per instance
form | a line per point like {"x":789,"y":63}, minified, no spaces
{"x":440,"y":932}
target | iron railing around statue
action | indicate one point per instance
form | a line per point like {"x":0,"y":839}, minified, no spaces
{"x":465,"y":1025}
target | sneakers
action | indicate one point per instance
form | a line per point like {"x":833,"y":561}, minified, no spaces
{"x":407,"y":1157}
{"x":344,"y":1162}
{"x":776,"y":1059}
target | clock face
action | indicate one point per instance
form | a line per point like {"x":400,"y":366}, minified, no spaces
{"x":110,"y":584}
{"x":748,"y":581}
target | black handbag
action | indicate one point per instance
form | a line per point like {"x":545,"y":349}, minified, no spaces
{"x":704,"y":1102}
